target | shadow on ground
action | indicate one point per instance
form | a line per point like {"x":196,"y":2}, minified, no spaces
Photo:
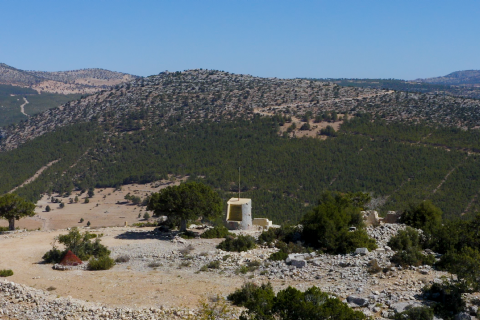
{"x":146,"y":234}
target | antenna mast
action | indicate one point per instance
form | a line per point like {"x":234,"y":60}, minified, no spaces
{"x":238,"y":183}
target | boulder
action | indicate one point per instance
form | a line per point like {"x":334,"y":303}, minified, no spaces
{"x":299,"y":263}
{"x":462,"y":316}
{"x":357,"y":301}
{"x":361,"y":251}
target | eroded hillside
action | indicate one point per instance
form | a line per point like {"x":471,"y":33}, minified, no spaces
{"x":197,"y":95}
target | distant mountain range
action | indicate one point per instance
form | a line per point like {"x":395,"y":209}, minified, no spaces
{"x":457,"y":78}
{"x":84,"y":81}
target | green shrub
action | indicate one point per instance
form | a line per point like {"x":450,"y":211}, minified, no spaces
{"x":326,"y":227}
{"x":3,"y":229}
{"x":216,"y":232}
{"x":405,"y":239}
{"x":6,"y":273}
{"x":214,"y":264}
{"x":412,"y":257}
{"x":285,"y":233}
{"x":122,"y":259}
{"x":53,"y":256}
{"x":145,"y":224}
{"x":417,"y":313}
{"x":279,"y":255}
{"x":80,"y":244}
{"x":407,"y":243}
{"x":188,"y":235}
{"x":448,"y":298}
{"x":425,"y":216}
{"x":241,"y":243}
{"x":261,"y":303}
{"x":101,"y":263}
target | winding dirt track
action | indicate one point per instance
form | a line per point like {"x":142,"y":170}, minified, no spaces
{"x":22,"y":107}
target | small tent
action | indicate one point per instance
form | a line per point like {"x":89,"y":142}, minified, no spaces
{"x":70,"y":259}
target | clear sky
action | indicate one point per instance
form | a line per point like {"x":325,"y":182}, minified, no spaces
{"x":401,"y":39}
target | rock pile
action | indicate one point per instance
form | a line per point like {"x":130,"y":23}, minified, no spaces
{"x":22,"y":302}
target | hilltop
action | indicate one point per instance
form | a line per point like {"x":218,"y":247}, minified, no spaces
{"x":26,"y":93}
{"x":467,"y":78}
{"x":82,"y":81}
{"x":198,"y":95}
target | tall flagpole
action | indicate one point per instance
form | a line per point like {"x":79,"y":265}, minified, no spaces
{"x":238,"y":183}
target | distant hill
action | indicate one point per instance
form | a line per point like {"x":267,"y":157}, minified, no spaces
{"x":401,"y":146}
{"x":419,"y":85}
{"x":457,"y":78}
{"x":25,"y":93}
{"x":84,"y":81}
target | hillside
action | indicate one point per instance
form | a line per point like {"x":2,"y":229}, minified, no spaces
{"x":399,"y":146}
{"x":458,"y":78}
{"x":26,"y":93}
{"x":419,"y":85}
{"x":198,"y":95}
{"x":83,"y":81}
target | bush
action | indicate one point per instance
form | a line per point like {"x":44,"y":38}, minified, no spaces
{"x":418,"y":313}
{"x":4,"y":229}
{"x":405,"y":239}
{"x":155,"y":264}
{"x":326,"y":227}
{"x":448,"y":298}
{"x":47,"y":208}
{"x":277,"y":256}
{"x":424,"y":216}
{"x":412,"y":257}
{"x":216,"y":232}
{"x":188,"y":235}
{"x":53,"y":256}
{"x":407,"y":243}
{"x":6,"y":273}
{"x":185,"y":251}
{"x":261,"y":303}
{"x":146,"y":216}
{"x":80,"y":244}
{"x":122,"y":259}
{"x":214,"y":264}
{"x":328,"y":131}
{"x":284,"y":233}
{"x":101,"y":263}
{"x":373,"y":267}
{"x":305,"y":126}
{"x":241,"y":243}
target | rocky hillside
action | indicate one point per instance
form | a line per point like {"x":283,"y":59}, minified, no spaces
{"x":196,"y":95}
{"x":64,"y":82}
{"x":458,"y":78}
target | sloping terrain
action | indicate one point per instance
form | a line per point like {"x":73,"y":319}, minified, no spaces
{"x":82,"y":81}
{"x":419,"y":85}
{"x":198,"y":95}
{"x":457,"y":78}
{"x":45,"y":90}
{"x":399,"y":146}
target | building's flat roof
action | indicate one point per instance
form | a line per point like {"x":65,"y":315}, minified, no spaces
{"x":239,"y":201}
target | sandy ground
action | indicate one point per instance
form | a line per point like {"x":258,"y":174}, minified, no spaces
{"x":107,"y":207}
{"x":314,"y":128}
{"x":117,"y":286}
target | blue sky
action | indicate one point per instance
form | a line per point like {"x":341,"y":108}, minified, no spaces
{"x":360,"y":39}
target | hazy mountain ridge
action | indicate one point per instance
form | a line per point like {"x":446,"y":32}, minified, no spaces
{"x":196,"y":95}
{"x":457,"y":78}
{"x":64,"y":82}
